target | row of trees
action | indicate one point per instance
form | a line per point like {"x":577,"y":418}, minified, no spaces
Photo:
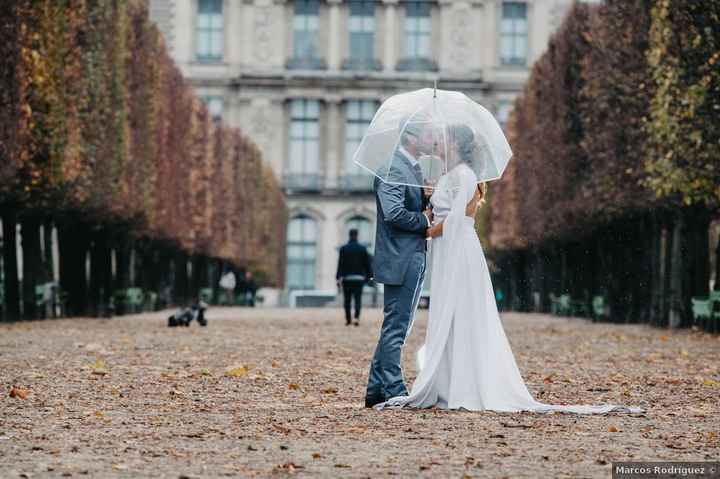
{"x":616,"y":173}
{"x":104,"y":142}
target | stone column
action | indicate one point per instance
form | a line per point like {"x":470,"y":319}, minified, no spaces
{"x":334,"y":34}
{"x":334,"y":158}
{"x":391,"y":28}
{"x":184,"y":38}
{"x":234,"y":40}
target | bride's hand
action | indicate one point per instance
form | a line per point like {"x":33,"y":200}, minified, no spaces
{"x":472,"y":207}
{"x":435,"y":231}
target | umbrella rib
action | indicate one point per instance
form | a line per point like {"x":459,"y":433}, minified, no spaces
{"x":402,"y":130}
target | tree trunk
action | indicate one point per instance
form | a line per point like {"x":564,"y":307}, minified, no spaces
{"x":699,"y":251}
{"x":100,"y":273}
{"x":165,"y":275}
{"x":656,"y":279}
{"x":122,"y":264}
{"x":181,"y":277}
{"x":48,"y":262}
{"x":676,"y":274}
{"x":73,"y":257}
{"x":199,"y":274}
{"x":32,"y":265}
{"x":717,"y":266}
{"x":11,"y":282}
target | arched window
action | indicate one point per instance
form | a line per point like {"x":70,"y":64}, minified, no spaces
{"x":361,"y":224}
{"x":301,"y":252}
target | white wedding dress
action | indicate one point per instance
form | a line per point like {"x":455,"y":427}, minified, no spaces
{"x":466,"y":362}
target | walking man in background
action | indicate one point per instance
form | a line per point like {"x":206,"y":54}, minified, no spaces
{"x":353,"y":272}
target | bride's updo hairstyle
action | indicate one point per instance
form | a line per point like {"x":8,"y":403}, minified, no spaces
{"x":464,"y":139}
{"x":465,"y":146}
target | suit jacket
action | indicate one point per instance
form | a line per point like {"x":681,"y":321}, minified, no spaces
{"x":401,"y":225}
{"x":354,"y":262}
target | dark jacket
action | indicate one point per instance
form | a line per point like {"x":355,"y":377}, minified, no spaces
{"x":354,"y":261}
{"x":401,"y":225}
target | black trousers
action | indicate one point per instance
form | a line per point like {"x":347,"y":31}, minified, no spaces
{"x":352,"y":290}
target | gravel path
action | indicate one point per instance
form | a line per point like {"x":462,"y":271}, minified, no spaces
{"x":275,"y":392}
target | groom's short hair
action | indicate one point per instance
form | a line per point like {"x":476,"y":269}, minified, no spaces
{"x":408,"y":129}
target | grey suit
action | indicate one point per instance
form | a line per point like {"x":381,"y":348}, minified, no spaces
{"x":399,"y":264}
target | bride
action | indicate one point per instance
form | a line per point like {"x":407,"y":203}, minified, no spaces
{"x":466,"y":362}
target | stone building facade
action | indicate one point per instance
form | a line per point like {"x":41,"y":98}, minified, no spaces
{"x":303,"y":79}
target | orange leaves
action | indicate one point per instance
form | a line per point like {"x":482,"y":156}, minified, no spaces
{"x":19,"y":393}
{"x":237,"y":372}
{"x":102,"y":121}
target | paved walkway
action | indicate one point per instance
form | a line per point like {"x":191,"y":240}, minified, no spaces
{"x":271,"y":392}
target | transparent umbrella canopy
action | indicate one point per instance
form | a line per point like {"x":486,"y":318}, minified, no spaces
{"x":438,"y":129}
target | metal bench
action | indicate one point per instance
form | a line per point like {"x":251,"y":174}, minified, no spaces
{"x":311,"y":298}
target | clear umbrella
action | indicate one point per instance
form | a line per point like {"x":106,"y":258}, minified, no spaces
{"x":417,"y":137}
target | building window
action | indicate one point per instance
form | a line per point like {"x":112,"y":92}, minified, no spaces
{"x":303,"y":168}
{"x":504,"y":108}
{"x":214,"y":105}
{"x":362,"y":225}
{"x":362,"y":33}
{"x":358,"y":115}
{"x":209,"y":30}
{"x":513,"y":34}
{"x":417,"y":30}
{"x":306,"y":36}
{"x":301,"y":253}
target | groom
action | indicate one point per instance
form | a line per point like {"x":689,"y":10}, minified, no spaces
{"x":399,"y":261}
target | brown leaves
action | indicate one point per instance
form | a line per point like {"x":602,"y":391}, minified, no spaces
{"x":18,"y":393}
{"x":577,"y":130}
{"x":289,"y":467}
{"x":154,"y":410}
{"x":99,"y":368}
{"x":100,"y":121}
{"x":237,"y":372}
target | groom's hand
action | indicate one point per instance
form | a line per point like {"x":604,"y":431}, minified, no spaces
{"x":427,"y":190}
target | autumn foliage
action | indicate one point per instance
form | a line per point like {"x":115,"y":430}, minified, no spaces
{"x":97,"y":121}
{"x":616,"y":142}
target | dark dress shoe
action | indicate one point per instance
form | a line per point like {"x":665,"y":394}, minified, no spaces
{"x":371,"y":401}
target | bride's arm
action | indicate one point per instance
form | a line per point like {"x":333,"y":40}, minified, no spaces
{"x":470,"y":210}
{"x":472,"y":206}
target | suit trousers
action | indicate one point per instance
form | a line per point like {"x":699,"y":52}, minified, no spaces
{"x":352,"y":291}
{"x":386,"y":379}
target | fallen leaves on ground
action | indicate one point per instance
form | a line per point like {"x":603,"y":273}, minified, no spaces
{"x":272,"y":392}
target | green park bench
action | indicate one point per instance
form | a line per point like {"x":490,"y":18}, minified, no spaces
{"x":224,"y":298}
{"x":579,"y":307}
{"x":599,"y":308}
{"x":706,"y":312}
{"x":45,"y":298}
{"x":135,"y":300}
{"x":206,"y":295}
{"x":565,"y":305}
{"x":554,"y":304}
